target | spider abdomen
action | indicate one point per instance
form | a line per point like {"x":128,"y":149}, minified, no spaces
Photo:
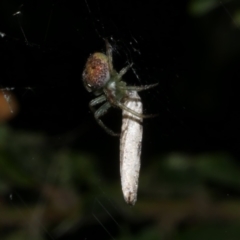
{"x":96,"y":73}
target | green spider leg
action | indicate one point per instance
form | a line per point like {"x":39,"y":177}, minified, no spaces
{"x":100,"y":112}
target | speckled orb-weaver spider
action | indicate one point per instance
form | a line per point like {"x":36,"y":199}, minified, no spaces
{"x":101,"y":78}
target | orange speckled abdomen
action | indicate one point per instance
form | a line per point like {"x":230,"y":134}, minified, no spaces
{"x":96,"y":72}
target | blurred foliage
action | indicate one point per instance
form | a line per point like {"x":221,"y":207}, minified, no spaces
{"x":47,"y":191}
{"x":202,"y":7}
{"x":199,"y":7}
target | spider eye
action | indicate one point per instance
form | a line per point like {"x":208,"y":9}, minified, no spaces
{"x":96,"y":73}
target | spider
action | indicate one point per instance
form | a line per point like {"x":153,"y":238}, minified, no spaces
{"x":106,"y":83}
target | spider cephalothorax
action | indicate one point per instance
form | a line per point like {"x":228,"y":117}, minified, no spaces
{"x":100,"y":78}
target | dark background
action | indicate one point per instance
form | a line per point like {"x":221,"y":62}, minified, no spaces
{"x":59,"y":169}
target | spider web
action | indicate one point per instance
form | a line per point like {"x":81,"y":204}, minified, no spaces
{"x":44,"y":47}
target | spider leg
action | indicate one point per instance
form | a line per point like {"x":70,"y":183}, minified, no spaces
{"x":109,"y":55}
{"x":110,"y":61}
{"x":99,"y":113}
{"x":124,"y":70}
{"x":140,"y":88}
{"x":123,"y":107}
{"x":96,"y":101}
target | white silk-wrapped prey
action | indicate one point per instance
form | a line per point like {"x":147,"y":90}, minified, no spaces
{"x":130,"y":148}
